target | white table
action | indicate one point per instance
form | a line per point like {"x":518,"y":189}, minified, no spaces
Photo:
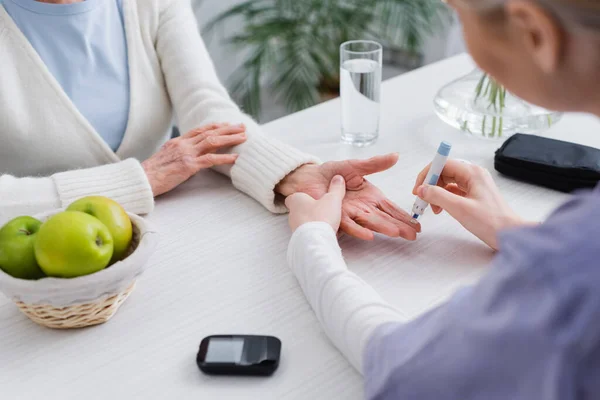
{"x":221,"y":268}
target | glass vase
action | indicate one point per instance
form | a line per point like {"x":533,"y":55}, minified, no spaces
{"x":478,"y":105}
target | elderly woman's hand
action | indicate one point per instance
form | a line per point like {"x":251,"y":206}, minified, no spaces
{"x":181,"y":158}
{"x":365,"y":209}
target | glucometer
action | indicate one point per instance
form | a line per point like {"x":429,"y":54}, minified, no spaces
{"x":239,"y":355}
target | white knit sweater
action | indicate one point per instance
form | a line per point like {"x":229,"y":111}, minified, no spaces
{"x":50,"y":155}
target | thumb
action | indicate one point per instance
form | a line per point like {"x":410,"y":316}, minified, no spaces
{"x":337,"y":188}
{"x":297,"y":199}
{"x":375,"y":164}
{"x":437,"y":196}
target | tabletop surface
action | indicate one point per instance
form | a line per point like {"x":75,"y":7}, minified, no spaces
{"x":220,"y":268}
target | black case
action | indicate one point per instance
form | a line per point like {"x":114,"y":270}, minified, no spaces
{"x":550,"y":163}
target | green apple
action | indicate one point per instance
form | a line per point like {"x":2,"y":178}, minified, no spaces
{"x":17,"y":257}
{"x":111,"y":214}
{"x":72,"y":244}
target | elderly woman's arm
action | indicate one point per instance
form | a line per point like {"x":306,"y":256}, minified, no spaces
{"x":130,"y":183}
{"x":199,"y":98}
{"x":125,"y":182}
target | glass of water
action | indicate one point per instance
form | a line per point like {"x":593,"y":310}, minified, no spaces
{"x":360,"y":88}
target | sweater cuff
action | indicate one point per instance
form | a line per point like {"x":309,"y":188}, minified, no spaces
{"x":125,"y":182}
{"x":262,"y":165}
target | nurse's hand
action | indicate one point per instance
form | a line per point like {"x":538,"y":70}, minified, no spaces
{"x":469,"y":194}
{"x":304,"y":209}
{"x":181,"y":158}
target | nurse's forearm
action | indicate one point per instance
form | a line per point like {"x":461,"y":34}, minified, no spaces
{"x":347,"y":307}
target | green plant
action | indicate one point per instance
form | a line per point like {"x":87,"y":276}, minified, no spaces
{"x":493,"y":95}
{"x":294,"y":44}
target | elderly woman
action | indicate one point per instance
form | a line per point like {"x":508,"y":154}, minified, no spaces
{"x":531,"y":328}
{"x":88,"y":88}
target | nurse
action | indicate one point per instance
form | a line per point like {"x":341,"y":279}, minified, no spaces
{"x":531,"y":328}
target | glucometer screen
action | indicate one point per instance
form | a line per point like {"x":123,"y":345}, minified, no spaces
{"x":221,"y":350}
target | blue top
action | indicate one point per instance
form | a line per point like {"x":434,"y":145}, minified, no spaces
{"x":444,"y":149}
{"x":84,"y":47}
{"x":529,"y":330}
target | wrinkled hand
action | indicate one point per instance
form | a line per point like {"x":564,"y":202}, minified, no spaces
{"x":181,"y":158}
{"x":469,"y":194}
{"x":304,"y":209}
{"x":365,"y":208}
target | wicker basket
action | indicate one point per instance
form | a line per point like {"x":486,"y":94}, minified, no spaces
{"x":87,"y":300}
{"x":76,"y":316}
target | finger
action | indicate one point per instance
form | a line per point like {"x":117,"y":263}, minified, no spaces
{"x":221,"y":131}
{"x":214,"y":143}
{"x":443,"y":180}
{"x":446,"y":181}
{"x":399,"y":214}
{"x":452,"y":188}
{"x":375,"y":164}
{"x":378,"y":221}
{"x":353,"y":229}
{"x":337,"y":188}
{"x":442,"y":198}
{"x":421,"y":178}
{"x":203,"y":129}
{"x":405,"y":230}
{"x":230,"y":129}
{"x":294,"y":200}
{"x":212,"y":160}
{"x":454,"y":172}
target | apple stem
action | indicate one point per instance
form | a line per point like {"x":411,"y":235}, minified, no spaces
{"x":25,"y":231}
{"x":99,"y":241}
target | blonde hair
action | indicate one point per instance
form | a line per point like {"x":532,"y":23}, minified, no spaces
{"x":574,"y":13}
